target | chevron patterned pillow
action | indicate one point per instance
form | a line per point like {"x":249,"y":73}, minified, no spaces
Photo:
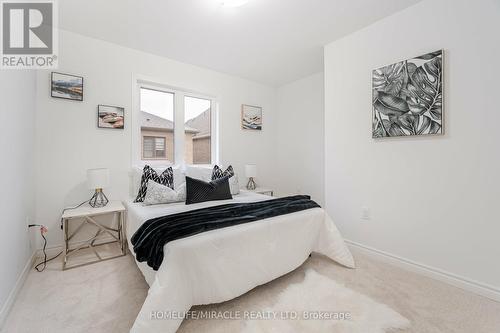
{"x":234,"y":185}
{"x":217,"y":172}
{"x":166,"y":178}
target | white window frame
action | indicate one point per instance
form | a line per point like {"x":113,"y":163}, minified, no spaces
{"x":179,"y":128}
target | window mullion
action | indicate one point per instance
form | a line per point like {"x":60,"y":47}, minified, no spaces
{"x":214,"y":132}
{"x":179,"y":137}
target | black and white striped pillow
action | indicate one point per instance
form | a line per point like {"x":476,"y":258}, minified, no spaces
{"x":166,"y":178}
{"x":217,"y":172}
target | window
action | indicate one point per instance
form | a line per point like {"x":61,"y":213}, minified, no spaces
{"x":190,"y":140}
{"x":153,"y":147}
{"x":198,"y":112}
{"x":157,"y":124}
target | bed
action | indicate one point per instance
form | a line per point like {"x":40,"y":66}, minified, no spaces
{"x":219,"y":265}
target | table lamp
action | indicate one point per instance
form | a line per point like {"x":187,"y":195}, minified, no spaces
{"x":97,"y":179}
{"x":251,"y":172}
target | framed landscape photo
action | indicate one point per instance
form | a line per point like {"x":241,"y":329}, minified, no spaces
{"x":408,"y":98}
{"x":110,"y":117}
{"x":251,"y":117}
{"x":66,"y":86}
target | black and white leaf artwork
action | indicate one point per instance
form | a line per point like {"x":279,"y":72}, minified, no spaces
{"x":408,"y":97}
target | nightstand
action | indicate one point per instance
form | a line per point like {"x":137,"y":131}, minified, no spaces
{"x":262,"y":190}
{"x":102,"y":240}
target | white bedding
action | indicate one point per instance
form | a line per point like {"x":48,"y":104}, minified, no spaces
{"x":222,"y":264}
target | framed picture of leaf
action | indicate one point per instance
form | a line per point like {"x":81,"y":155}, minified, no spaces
{"x":408,"y":98}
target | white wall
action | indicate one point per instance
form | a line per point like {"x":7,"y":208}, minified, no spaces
{"x":433,"y":200}
{"x":300,"y":138}
{"x":17,"y":139}
{"x":68,"y":141}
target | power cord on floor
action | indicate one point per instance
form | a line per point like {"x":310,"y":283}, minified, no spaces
{"x":43,"y":230}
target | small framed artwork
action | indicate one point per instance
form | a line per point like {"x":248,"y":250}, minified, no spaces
{"x":66,"y":86}
{"x":251,"y":117}
{"x":110,"y":117}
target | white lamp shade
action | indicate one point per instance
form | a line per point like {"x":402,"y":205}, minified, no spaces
{"x":250,"y":170}
{"x":97,"y":178}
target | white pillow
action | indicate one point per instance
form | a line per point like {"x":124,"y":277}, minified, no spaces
{"x":199,"y":172}
{"x":160,"y":194}
{"x":179,"y":177}
{"x":234,"y":185}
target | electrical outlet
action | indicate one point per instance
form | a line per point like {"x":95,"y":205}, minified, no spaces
{"x":33,"y":234}
{"x":365,"y":213}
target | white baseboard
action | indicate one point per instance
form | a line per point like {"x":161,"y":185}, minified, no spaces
{"x":475,"y":287}
{"x":15,"y":291}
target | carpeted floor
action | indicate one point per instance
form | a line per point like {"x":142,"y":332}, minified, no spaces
{"x":106,"y":297}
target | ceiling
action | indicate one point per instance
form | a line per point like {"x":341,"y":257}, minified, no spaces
{"x":268,"y":41}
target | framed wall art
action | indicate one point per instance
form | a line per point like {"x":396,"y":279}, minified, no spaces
{"x":66,"y":86}
{"x":407,"y":97}
{"x":251,"y":117}
{"x":110,"y":117}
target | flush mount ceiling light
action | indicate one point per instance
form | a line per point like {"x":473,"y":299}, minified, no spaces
{"x":233,"y":3}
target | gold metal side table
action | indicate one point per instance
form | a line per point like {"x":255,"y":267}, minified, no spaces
{"x":86,"y":216}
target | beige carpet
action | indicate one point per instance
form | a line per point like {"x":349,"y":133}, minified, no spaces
{"x":106,"y":297}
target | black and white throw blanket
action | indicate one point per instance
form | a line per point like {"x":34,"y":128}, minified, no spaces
{"x":149,"y":240}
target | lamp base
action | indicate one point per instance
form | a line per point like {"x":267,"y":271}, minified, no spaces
{"x":99,"y":199}
{"x":251,"y":184}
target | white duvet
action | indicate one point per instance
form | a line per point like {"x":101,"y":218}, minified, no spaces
{"x":222,"y":264}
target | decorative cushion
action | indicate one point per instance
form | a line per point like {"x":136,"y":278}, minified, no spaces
{"x":166,"y":178}
{"x":136,"y":175}
{"x":179,"y":178}
{"x":161,"y":194}
{"x":199,"y":172}
{"x":218,"y":173}
{"x":198,"y":190}
{"x":234,"y":185}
